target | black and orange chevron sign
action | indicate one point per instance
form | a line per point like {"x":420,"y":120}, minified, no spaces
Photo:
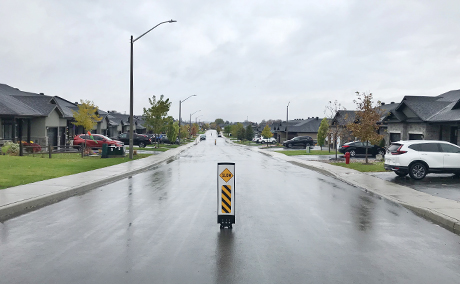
{"x":226,"y":199}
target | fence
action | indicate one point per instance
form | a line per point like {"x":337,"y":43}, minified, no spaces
{"x":36,"y":149}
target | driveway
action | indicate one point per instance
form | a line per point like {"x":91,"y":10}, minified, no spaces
{"x":442,"y":185}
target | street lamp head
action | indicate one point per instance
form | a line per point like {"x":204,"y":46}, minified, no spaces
{"x":172,"y":21}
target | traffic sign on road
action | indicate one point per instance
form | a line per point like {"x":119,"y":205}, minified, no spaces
{"x":226,"y":194}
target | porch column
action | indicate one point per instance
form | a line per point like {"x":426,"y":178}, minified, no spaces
{"x":21,"y":151}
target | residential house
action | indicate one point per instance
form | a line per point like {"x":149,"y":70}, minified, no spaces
{"x":426,"y":118}
{"x":297,"y":127}
{"x":344,"y":117}
{"x":34,"y":117}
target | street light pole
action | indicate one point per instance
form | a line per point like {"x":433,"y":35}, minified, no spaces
{"x":196,"y":119}
{"x":180,"y":103}
{"x":287,"y":120}
{"x":191,"y":120}
{"x":131,"y":95}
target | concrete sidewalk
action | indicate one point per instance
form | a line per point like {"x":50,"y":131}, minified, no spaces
{"x":441,"y":211}
{"x":21,"y":199}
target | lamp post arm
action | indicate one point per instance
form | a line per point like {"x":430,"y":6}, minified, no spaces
{"x":170,"y":21}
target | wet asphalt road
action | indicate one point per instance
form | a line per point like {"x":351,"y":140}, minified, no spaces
{"x":293,"y":225}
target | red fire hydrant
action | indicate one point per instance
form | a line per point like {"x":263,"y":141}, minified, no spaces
{"x":347,"y":158}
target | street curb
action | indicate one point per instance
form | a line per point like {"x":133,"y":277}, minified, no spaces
{"x":24,"y":206}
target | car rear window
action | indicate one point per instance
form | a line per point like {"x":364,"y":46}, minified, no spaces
{"x":394,"y":147}
{"x":415,"y":147}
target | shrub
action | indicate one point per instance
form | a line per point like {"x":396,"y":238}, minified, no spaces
{"x":10,"y":148}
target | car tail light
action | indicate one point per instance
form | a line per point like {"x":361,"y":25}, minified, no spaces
{"x":345,"y":146}
{"x":398,"y":152}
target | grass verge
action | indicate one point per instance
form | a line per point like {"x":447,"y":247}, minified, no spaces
{"x":374,"y":167}
{"x":16,"y":170}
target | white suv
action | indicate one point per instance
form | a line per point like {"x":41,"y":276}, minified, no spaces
{"x":419,"y":157}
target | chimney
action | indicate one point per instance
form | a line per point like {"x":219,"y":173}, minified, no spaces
{"x":392,"y":102}
{"x":42,"y":94}
{"x":317,"y":118}
{"x":383,"y":103}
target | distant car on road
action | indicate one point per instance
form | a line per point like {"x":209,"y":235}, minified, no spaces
{"x":140,"y":140}
{"x":299,"y":141}
{"x":202,"y":137}
{"x":359,"y":148}
{"x":419,"y":157}
{"x":99,"y":139}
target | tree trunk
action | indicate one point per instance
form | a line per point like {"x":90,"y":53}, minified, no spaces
{"x":366,"y":151}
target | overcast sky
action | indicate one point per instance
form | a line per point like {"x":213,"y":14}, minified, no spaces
{"x":243,"y":59}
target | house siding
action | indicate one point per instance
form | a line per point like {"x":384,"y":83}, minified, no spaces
{"x":405,"y":129}
{"x":38,"y":130}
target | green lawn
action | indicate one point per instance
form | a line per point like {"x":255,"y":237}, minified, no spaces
{"x":359,"y":166}
{"x":16,"y":170}
{"x":304,"y":152}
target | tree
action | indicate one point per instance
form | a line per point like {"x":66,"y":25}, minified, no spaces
{"x":183,"y":131}
{"x":334,"y":130}
{"x":365,"y":126}
{"x":172,"y":129}
{"x":218,"y":129}
{"x":155,"y":115}
{"x":266,"y":133}
{"x":227,"y":129}
{"x":219,"y":121}
{"x":86,"y":115}
{"x":238,"y":131}
{"x":194,"y":130}
{"x":249,"y":132}
{"x":322,"y":132}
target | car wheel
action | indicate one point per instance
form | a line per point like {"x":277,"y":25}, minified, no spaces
{"x":352,"y":153}
{"x":289,"y":145}
{"x":401,"y":173}
{"x":141,"y":145}
{"x":417,"y":171}
{"x":273,"y":142}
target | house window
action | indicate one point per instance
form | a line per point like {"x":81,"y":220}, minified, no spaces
{"x":7,"y":130}
{"x":395,"y":137}
{"x":415,"y":136}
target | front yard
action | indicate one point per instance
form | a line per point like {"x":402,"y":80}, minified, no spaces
{"x":15,"y":170}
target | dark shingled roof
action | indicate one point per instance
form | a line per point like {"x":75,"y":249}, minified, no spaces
{"x":442,"y":108}
{"x":11,"y":105}
{"x":14,"y":102}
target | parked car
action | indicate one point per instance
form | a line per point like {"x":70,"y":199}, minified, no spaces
{"x":359,"y":148}
{"x":256,"y":139}
{"x":267,"y":140}
{"x":299,"y":141}
{"x":419,"y":157}
{"x":140,"y":140}
{"x":99,"y":139}
{"x":202,"y":137}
